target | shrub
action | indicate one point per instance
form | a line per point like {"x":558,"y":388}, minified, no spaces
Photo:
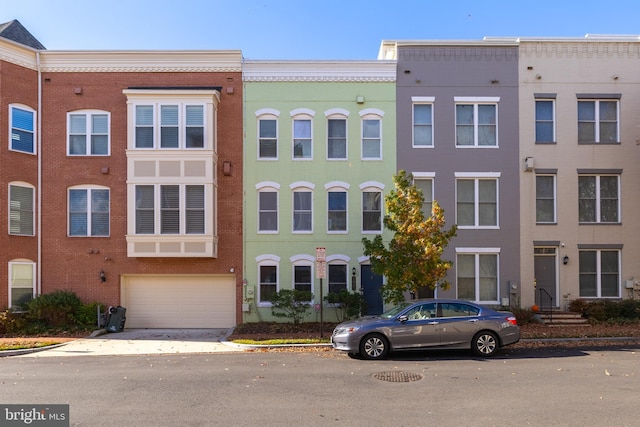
{"x":55,"y":309}
{"x":87,"y":314}
{"x":524,"y":316}
{"x":291,"y":303}
{"x":346,"y":304}
{"x":578,"y":306}
{"x":612,"y":311}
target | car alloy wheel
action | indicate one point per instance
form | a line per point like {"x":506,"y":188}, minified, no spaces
{"x":374,"y":346}
{"x":485,"y":344}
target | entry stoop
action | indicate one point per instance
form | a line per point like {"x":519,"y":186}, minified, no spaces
{"x":563,"y":318}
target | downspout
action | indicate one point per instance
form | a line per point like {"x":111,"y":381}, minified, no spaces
{"x":39,"y":180}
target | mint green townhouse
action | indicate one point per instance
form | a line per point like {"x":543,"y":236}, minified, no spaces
{"x":319,"y":154}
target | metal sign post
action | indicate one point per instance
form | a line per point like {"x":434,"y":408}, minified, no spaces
{"x":321,"y":273}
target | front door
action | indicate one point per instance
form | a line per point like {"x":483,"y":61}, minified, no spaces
{"x":545,"y":277}
{"x":371,"y":284}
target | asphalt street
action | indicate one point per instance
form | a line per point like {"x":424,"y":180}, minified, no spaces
{"x":577,"y":386}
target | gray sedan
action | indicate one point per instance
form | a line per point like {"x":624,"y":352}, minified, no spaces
{"x":430,"y":323}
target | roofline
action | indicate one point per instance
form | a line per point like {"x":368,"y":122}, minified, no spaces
{"x":319,"y":70}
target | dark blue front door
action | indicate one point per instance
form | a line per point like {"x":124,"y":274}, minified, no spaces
{"x":371,"y":284}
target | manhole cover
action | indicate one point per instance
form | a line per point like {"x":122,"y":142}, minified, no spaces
{"x":397,"y":376}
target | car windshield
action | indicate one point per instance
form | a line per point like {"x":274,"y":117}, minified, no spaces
{"x":393,"y":312}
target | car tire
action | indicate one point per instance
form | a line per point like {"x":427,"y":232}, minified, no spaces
{"x":353,"y":355}
{"x":485,"y":344}
{"x":374,"y":346}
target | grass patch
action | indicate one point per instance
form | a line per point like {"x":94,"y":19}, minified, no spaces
{"x":283,"y":341}
{"x":26,"y":345}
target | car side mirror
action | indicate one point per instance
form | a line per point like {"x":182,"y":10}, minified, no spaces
{"x":403,"y":318}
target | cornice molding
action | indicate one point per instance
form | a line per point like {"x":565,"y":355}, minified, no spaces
{"x":319,"y":71}
{"x":579,"y":49}
{"x":18,"y":54}
{"x":141,"y":61}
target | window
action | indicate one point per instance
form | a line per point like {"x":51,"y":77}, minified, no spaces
{"x":88,"y":212}
{"x":302,"y":278}
{"x":180,"y":211}
{"x":371,"y":138}
{"x":337,"y":277}
{"x":598,"y":199}
{"x":599,"y":273}
{"x":545,"y":121}
{"x":477,"y":202}
{"x":545,"y":199}
{"x":422,"y":122}
{"x":21,"y":213}
{"x":179,"y":126}
{"x":22,"y":129}
{"x":372,"y":211}
{"x":425,"y":184}
{"x":268,"y":207}
{"x":336,"y":211}
{"x":302,"y":211}
{"x":598,"y":121}
{"x":267,"y":139}
{"x":21,"y":282}
{"x":337,"y":139}
{"x":302,"y":142}
{"x":477,"y":276}
{"x":88,"y":133}
{"x":476,"y":122}
{"x":268,"y":276}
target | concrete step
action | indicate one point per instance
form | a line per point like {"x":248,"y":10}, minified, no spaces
{"x":563,"y":318}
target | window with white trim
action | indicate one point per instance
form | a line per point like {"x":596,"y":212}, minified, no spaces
{"x":476,"y":201}
{"x":22,"y":282}
{"x":337,"y":138}
{"x":302,"y":278}
{"x":545,"y":121}
{"x":88,"y":133}
{"x":302,"y":208}
{"x":371,"y":134}
{"x":424,"y":183}
{"x":599,"y":273}
{"x":267,"y":138}
{"x":545,"y":199}
{"x":180,"y":209}
{"x":336,"y":210}
{"x":337,"y":274}
{"x":422,"y":121}
{"x":268,"y":278}
{"x":267,"y":209}
{"x":21,"y":209}
{"x":88,"y":211}
{"x":476,"y":122}
{"x":22,"y":134}
{"x":302,"y":134}
{"x":599,"y":199}
{"x":477,"y":275}
{"x":598,"y":121}
{"x":371,"y":209}
{"x":170,"y":126}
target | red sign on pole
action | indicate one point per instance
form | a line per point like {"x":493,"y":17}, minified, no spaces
{"x":321,"y":254}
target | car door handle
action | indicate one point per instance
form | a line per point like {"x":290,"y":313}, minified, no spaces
{"x":433,"y":323}
{"x":472,"y":320}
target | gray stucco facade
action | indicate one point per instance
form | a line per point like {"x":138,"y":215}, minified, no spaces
{"x":471,"y":159}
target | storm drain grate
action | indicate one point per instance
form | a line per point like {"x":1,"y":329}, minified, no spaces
{"x":397,"y":376}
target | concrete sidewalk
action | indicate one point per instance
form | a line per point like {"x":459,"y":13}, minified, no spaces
{"x":140,"y":342}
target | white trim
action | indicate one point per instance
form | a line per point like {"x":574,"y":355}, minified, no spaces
{"x":337,"y":112}
{"x":423,"y":175}
{"x":267,"y":257}
{"x":423,"y":99}
{"x":477,"y":174}
{"x":477,"y":99}
{"x":371,"y":111}
{"x":301,"y":112}
{"x":337,"y":184}
{"x":299,"y":258}
{"x":336,"y":258}
{"x":267,"y":112}
{"x":267,"y":184}
{"x":371,"y":184}
{"x":302,"y":184}
{"x":478,"y":250}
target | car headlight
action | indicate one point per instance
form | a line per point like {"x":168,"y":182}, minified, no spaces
{"x":347,"y":330}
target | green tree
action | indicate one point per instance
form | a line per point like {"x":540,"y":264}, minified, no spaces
{"x":413,"y":259}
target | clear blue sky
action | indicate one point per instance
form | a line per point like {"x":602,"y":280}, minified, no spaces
{"x":306,"y":29}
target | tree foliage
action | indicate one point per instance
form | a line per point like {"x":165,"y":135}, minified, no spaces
{"x":413,"y":258}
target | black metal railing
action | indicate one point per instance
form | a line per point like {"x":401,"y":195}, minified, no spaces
{"x":548,"y":298}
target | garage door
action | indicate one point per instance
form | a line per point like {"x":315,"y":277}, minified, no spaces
{"x":179,"y":301}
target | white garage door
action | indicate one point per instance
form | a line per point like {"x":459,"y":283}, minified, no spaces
{"x":179,"y":301}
